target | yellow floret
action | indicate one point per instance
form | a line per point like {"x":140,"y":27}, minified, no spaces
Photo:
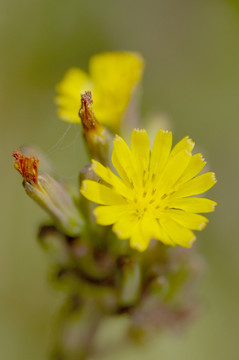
{"x":112,"y":78}
{"x":153,"y":195}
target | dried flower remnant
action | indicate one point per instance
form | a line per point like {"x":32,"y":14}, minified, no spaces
{"x":49,"y":194}
{"x":27,"y":166}
{"x":96,"y":136}
{"x":86,"y":113}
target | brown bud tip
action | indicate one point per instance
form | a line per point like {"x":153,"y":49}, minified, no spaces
{"x":86,"y":112}
{"x":27,"y":166}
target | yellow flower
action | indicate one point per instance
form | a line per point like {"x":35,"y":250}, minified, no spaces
{"x":112,"y":76}
{"x":152,"y":198}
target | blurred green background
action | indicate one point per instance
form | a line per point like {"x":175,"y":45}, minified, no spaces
{"x":191,"y":50}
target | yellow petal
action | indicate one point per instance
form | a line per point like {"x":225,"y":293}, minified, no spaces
{"x":185,"y":144}
{"x":144,"y":231}
{"x":140,"y":149}
{"x":172,"y":171}
{"x":180,"y":235}
{"x":193,"y":205}
{"x":109,"y":177}
{"x":114,"y":75}
{"x":108,"y":215}
{"x":125,"y":226}
{"x":139,"y":240}
{"x":197,"y":185}
{"x":69,"y":108}
{"x":74,"y":83}
{"x":160,"y":152}
{"x":159,"y":233}
{"x":100,"y":194}
{"x":118,"y":167}
{"x":74,"y":80}
{"x":188,"y":220}
{"x":195,"y":165}
{"x":122,"y":161}
{"x":69,"y":115}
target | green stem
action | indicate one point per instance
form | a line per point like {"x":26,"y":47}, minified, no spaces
{"x":76,"y":330}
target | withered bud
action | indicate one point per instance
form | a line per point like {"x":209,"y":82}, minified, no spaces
{"x":96,"y":136}
{"x":86,"y":112}
{"x":49,"y":194}
{"x":27,"y":166}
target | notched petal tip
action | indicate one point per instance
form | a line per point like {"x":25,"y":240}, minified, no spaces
{"x":83,"y":187}
{"x":214,"y":177}
{"x":187,"y":152}
{"x":202,"y":158}
{"x":214,"y":204}
{"x":118,"y":232}
{"x":139,"y":130}
{"x":137,"y":246}
{"x":191,"y":241}
{"x":95,"y":212}
{"x":190,"y":142}
{"x":93,"y":164}
{"x":117,"y":138}
{"x":202,"y":225}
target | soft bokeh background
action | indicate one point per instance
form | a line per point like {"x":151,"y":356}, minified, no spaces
{"x":191,"y":50}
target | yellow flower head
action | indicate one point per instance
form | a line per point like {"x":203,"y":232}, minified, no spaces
{"x":153,"y":197}
{"x":112,"y":76}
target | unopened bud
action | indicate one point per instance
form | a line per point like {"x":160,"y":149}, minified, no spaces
{"x":96,"y":136}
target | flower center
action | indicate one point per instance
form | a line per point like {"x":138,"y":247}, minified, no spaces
{"x":145,"y":201}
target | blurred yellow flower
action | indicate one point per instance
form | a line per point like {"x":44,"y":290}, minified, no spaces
{"x":112,"y":77}
{"x":152,"y":198}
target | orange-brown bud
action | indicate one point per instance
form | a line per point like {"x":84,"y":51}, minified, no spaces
{"x":86,"y":113}
{"x":27,"y":166}
{"x":96,"y":136}
{"x":49,"y":194}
